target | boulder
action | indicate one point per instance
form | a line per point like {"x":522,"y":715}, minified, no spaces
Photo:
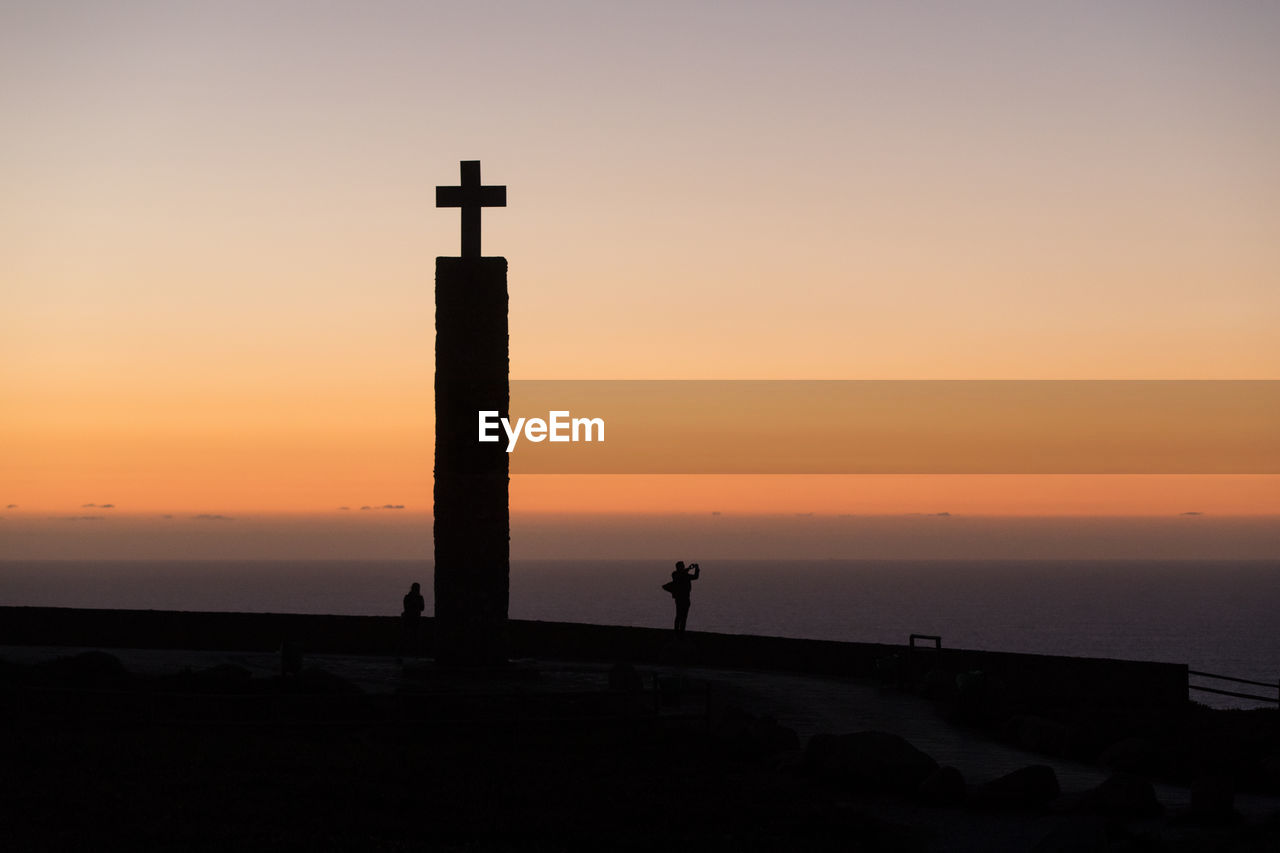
{"x":1124,"y":795}
{"x":1212,"y":800}
{"x":742,"y":735}
{"x":870,"y":762}
{"x":943,"y":787}
{"x":1030,"y":787}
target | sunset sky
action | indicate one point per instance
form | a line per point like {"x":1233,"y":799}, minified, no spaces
{"x":217,"y":236}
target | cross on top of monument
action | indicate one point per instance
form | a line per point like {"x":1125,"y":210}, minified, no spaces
{"x":471,"y":196}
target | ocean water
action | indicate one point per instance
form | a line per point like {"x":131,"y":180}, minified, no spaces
{"x":1217,"y":616}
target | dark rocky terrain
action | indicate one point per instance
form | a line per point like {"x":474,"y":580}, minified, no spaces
{"x":217,"y":757}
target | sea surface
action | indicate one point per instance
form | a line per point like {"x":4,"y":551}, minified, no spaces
{"x":1219,"y":617}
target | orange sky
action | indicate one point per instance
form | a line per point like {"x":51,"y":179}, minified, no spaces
{"x":146,"y":485}
{"x":217,"y":232}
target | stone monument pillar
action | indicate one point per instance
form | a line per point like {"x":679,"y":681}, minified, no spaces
{"x":472,"y":513}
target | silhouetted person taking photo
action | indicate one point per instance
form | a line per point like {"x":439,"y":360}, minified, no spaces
{"x":680,"y":586}
{"x":411,"y":622}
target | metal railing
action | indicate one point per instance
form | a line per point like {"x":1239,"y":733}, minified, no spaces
{"x":1274,"y":700}
{"x":933,"y":638}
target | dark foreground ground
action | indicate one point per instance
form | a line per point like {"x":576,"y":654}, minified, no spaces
{"x":706,"y":745}
{"x":96,"y":757}
{"x":403,"y":787}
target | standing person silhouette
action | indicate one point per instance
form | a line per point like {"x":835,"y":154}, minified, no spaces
{"x":410,"y":624}
{"x":680,"y":587}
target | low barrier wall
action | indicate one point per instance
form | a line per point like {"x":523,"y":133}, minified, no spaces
{"x":1039,"y":678}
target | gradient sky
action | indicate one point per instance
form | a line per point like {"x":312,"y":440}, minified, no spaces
{"x":217,"y":228}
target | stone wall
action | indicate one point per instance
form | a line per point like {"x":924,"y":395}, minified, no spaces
{"x":1039,"y":679}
